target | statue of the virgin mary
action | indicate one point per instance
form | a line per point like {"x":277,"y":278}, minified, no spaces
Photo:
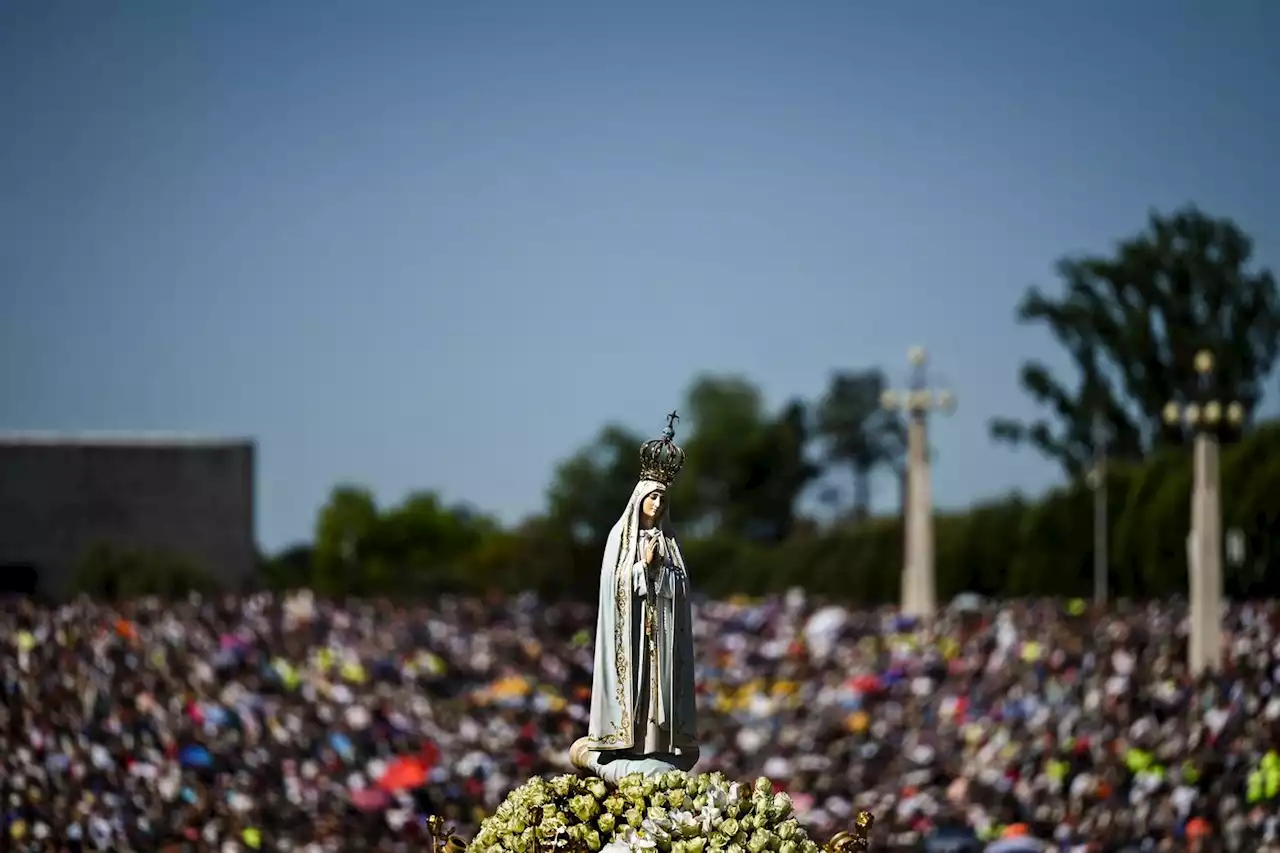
{"x":643,"y":715}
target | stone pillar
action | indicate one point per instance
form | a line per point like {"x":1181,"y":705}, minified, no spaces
{"x":1208,"y":417}
{"x":919,"y":596}
{"x":919,"y":590}
{"x":1205,"y":564}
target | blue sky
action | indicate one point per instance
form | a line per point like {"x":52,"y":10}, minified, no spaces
{"x":439,"y":244}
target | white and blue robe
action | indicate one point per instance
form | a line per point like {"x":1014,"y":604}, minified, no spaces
{"x":642,"y":693}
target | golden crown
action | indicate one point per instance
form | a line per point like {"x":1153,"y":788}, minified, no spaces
{"x":661,"y":459}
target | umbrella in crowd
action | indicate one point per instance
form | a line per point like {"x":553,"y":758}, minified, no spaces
{"x":295,"y":724}
{"x":404,"y":774}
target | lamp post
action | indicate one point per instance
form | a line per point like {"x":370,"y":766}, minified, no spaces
{"x":1098,"y":481}
{"x":919,"y":588}
{"x":1210,"y":418}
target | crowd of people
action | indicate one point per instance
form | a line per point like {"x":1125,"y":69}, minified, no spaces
{"x":287,"y":723}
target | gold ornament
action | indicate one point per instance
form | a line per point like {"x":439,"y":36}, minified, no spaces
{"x":857,"y":841}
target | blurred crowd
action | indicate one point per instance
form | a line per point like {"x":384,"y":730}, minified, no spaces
{"x":292,"y":724}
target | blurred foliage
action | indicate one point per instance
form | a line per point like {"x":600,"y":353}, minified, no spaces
{"x":1130,"y":323}
{"x":1007,"y":547}
{"x":859,"y":435}
{"x":115,"y":573}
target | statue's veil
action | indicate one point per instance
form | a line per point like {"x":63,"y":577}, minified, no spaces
{"x":624,"y":533}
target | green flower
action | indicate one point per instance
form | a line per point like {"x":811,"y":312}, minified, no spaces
{"x":700,"y":802}
{"x":679,"y":847}
{"x":563,"y":785}
{"x":615,"y":805}
{"x":759,"y":841}
{"x":534,"y":794}
{"x":592,"y":839}
{"x":634,"y":817}
{"x":735,"y":848}
{"x":788,"y":829}
{"x":733,"y":809}
{"x":584,"y":807}
{"x":630,"y":787}
{"x":729,"y":827}
{"x":656,"y":813}
{"x":787,"y":847}
{"x":718,"y":840}
{"x":695,"y":845}
{"x":549,"y":829}
{"x":606,"y":822}
{"x":676,"y":797}
{"x":763,"y":786}
{"x":597,"y":788}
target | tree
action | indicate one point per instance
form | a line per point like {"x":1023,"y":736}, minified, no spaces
{"x":775,"y":470}
{"x":858,"y":433}
{"x":345,"y":529}
{"x":588,"y":489}
{"x":292,"y":568}
{"x":746,"y":468}
{"x":422,"y":541}
{"x":743,"y":473}
{"x":727,"y":418}
{"x":111,"y":572}
{"x":1132,"y":323}
{"x":1002,"y":548}
{"x":1251,"y":504}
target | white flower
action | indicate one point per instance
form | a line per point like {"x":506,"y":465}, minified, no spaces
{"x":640,"y":842}
{"x":630,"y":840}
{"x":685,"y":823}
{"x":717,"y":798}
{"x":656,"y":829}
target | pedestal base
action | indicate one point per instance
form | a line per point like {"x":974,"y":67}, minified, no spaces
{"x":613,"y":766}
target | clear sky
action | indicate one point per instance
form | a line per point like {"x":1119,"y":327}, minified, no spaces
{"x":439,"y":244}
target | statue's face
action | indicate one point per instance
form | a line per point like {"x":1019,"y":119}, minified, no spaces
{"x":653,"y":505}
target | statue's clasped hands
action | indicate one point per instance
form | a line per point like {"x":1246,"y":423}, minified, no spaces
{"x":651,"y":558}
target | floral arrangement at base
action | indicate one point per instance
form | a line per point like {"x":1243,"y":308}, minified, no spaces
{"x":669,"y":813}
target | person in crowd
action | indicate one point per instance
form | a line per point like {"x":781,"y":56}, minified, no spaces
{"x":288,"y":723}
